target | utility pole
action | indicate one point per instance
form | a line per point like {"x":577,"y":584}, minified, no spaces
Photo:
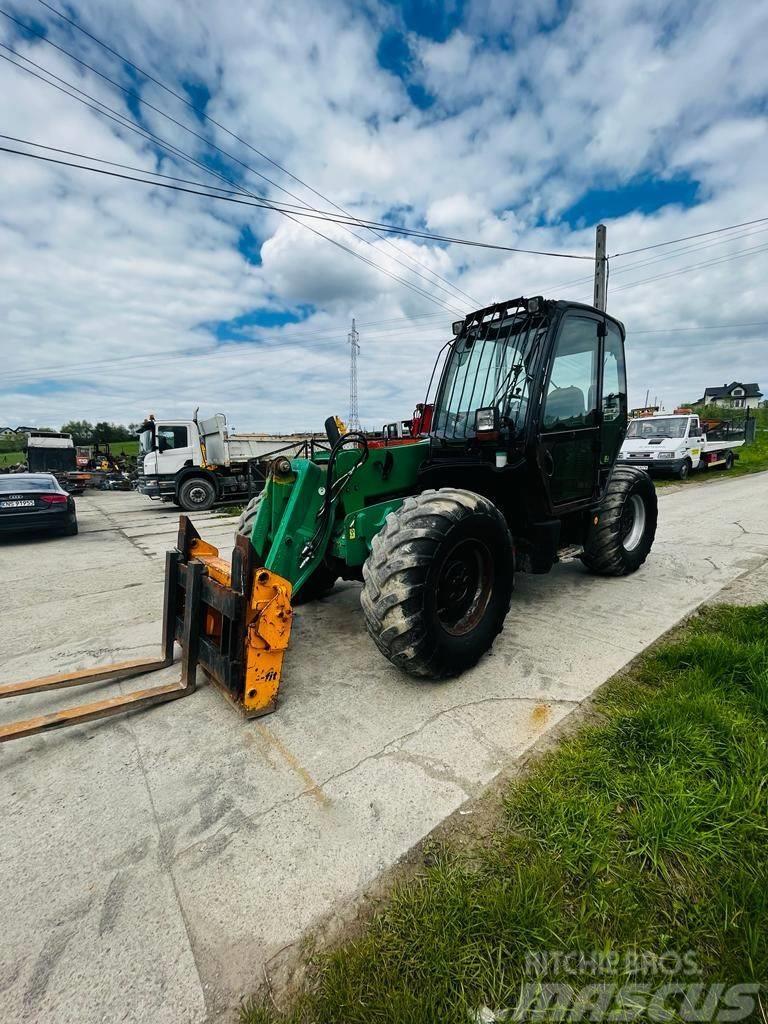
{"x":354,"y":345}
{"x":601,"y":268}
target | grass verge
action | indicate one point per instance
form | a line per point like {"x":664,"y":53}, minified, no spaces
{"x":643,"y":835}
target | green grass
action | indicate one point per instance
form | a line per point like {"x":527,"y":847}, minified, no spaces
{"x":646,"y":831}
{"x":124,"y":447}
{"x":117,"y":448}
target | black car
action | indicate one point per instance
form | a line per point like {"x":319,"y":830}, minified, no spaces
{"x":35,"y":501}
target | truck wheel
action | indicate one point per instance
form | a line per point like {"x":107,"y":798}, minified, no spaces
{"x":728,"y":461}
{"x":685,"y":470}
{"x":626,"y":524}
{"x":244,"y":526}
{"x":438,"y":582}
{"x":197,"y":494}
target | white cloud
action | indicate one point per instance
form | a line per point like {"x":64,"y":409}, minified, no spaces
{"x":525,"y":121}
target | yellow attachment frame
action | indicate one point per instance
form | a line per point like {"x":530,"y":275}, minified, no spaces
{"x":229,"y":618}
{"x":267,"y":617}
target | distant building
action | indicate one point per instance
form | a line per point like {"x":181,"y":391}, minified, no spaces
{"x":734,"y":396}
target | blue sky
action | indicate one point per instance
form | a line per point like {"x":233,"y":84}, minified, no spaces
{"x":521,"y":125}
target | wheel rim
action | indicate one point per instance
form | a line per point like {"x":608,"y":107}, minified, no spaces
{"x":684,"y":471}
{"x":464,"y":587}
{"x":632,"y":522}
{"x":197,"y":494}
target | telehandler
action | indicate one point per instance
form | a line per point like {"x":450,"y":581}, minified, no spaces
{"x":518,"y":471}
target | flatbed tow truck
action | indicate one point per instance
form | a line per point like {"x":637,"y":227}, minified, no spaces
{"x":674,"y":444}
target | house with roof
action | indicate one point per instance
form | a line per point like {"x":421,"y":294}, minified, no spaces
{"x":734,"y":396}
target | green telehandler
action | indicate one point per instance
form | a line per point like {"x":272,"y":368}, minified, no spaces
{"x":517,"y":472}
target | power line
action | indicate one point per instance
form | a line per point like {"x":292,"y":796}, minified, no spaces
{"x":692,"y":267}
{"x":23,"y":377}
{"x":264,"y":156}
{"x":660,"y":259}
{"x":293,"y":212}
{"x":230,"y":156}
{"x":115,"y":163}
{"x":687,"y":238}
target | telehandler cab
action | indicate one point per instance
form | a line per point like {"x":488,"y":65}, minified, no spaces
{"x":518,"y":471}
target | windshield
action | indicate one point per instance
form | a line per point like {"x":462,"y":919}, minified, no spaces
{"x":145,"y":442}
{"x":488,"y":367}
{"x":673,"y":426}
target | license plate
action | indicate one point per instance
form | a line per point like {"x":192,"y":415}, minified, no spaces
{"x":17,"y":504}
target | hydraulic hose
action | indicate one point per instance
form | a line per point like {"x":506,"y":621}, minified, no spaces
{"x":333,"y":489}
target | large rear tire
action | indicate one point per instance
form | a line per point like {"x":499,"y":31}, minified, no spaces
{"x":438,"y":582}
{"x":626,"y":524}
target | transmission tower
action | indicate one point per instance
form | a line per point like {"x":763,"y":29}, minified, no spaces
{"x":354,"y":346}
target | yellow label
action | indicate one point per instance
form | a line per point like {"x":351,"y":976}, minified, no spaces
{"x":695,"y":451}
{"x":352,"y":532}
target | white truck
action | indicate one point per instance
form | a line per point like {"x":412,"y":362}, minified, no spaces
{"x":196,"y":463}
{"x":673,"y":444}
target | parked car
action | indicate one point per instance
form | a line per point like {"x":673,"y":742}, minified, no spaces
{"x":35,"y":501}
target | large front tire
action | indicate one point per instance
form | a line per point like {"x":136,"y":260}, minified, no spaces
{"x":245,"y":523}
{"x":620,"y":541}
{"x":438,"y":582}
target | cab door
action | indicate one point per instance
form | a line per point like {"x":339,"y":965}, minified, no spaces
{"x":695,"y":443}
{"x":174,"y":449}
{"x":569,"y":432}
{"x":613,"y":400}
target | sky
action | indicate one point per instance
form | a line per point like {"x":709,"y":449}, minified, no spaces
{"x":519,"y":125}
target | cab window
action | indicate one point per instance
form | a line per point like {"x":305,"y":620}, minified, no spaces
{"x":571,"y":400}
{"x":614,"y":390}
{"x":172,"y":437}
{"x":695,"y":429}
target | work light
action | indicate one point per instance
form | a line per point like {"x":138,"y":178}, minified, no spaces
{"x":485,"y":419}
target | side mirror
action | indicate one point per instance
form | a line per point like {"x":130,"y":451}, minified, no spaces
{"x":456,"y":327}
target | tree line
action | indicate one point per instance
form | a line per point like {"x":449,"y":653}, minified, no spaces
{"x":83,"y":433}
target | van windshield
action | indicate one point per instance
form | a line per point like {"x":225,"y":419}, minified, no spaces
{"x":670,"y":426}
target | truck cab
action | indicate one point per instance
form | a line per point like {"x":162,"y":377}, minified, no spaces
{"x":166,"y":448}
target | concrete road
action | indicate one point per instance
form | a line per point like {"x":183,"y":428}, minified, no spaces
{"x":152,"y":865}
